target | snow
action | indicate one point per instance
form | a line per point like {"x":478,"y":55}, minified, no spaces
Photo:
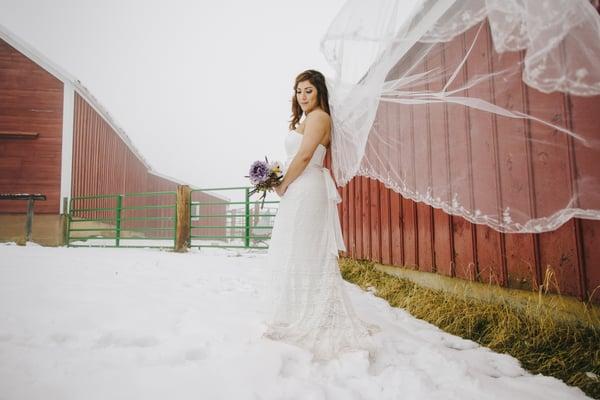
{"x":104,"y":323}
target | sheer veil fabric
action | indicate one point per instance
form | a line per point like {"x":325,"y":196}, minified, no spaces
{"x":307,"y":302}
{"x":386,"y":59}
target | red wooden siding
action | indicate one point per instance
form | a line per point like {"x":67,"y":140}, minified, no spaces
{"x":156,"y":183}
{"x":206,"y":213}
{"x":380,"y":225}
{"x":102,"y":162}
{"x":31,"y":100}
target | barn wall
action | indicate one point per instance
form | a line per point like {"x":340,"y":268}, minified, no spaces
{"x":102,"y":162}
{"x":379,"y":225}
{"x":31,"y":100}
{"x":211,"y":226}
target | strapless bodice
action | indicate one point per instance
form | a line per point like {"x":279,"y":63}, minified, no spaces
{"x":292,"y":144}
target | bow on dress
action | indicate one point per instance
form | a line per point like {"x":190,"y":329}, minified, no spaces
{"x":334,"y":237}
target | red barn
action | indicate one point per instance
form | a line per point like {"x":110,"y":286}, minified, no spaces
{"x":57,"y":140}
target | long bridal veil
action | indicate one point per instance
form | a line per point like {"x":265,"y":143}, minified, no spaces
{"x":422,"y":86}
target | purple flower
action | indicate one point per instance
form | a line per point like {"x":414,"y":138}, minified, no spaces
{"x":259,"y":172}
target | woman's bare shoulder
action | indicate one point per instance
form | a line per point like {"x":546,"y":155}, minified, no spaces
{"x":318,"y":117}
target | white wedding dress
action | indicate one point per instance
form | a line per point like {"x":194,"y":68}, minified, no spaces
{"x":306,"y":296}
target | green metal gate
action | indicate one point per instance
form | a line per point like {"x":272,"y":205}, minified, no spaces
{"x":230,"y":223}
{"x":149,"y":219}
{"x":122,"y":220}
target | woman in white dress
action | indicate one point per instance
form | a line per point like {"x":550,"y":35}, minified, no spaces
{"x":310,"y":308}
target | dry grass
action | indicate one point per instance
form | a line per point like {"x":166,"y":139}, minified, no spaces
{"x":543,"y":343}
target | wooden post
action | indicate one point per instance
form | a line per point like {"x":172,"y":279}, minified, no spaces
{"x":182,"y":233}
{"x":29,"y":220}
{"x":64,"y":223}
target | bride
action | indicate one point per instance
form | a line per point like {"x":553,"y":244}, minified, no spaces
{"x":309,"y":307}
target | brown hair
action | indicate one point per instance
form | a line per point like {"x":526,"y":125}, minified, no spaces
{"x":318,"y":81}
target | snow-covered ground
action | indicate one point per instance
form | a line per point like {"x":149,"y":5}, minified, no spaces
{"x":88,"y":323}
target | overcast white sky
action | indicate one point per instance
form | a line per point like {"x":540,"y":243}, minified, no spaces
{"x":202,"y":88}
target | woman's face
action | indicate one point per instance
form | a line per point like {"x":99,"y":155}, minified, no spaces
{"x":306,"y":95}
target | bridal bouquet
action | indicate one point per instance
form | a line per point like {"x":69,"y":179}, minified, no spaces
{"x":264,"y":176}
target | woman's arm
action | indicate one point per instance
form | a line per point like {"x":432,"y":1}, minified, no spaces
{"x":314,"y":131}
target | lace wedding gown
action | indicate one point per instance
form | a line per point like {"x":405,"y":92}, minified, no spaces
{"x":308,"y":305}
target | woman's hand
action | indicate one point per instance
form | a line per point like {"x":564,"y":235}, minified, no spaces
{"x":280,"y":190}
